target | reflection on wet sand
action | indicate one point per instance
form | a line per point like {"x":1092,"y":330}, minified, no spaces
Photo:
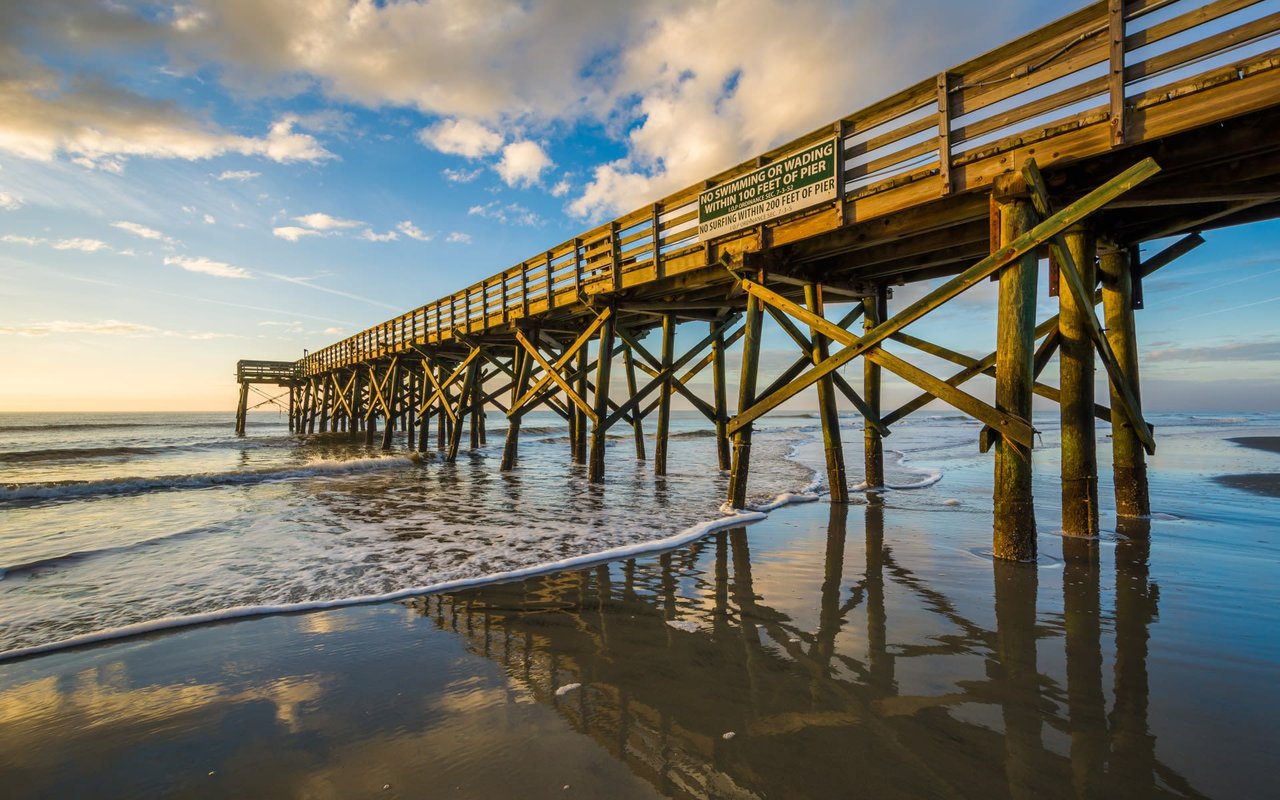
{"x":811,"y":716}
{"x":744,"y":665}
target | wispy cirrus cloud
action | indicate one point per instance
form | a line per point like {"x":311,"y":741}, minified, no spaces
{"x":506,"y":213}
{"x":143,"y":231}
{"x":206,"y":266}
{"x":106,"y":327}
{"x":10,"y":201}
{"x":238,"y":175}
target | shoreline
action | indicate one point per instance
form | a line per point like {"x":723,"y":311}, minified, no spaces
{"x":742,"y":658}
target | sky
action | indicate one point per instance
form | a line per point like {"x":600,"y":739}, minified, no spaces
{"x":185,"y":185}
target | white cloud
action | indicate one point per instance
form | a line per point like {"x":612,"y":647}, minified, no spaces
{"x":237,"y":175}
{"x":461,"y":175}
{"x":369,"y":236}
{"x":293,"y":233}
{"x":324,"y":222}
{"x":333,"y":331}
{"x":458,"y":237}
{"x":109,"y":327}
{"x":407,"y":227}
{"x":83,"y":245}
{"x":207,"y":267}
{"x":143,"y":231}
{"x":99,"y":125}
{"x":30,"y":241}
{"x":209,"y":219}
{"x":506,"y":213}
{"x":461,"y":137}
{"x":10,"y":202}
{"x":561,"y":188}
{"x":522,"y":163}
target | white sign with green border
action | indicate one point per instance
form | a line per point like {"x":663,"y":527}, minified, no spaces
{"x":791,"y":183}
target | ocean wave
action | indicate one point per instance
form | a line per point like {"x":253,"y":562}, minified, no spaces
{"x":67,"y":490}
{"x":80,"y":426}
{"x":680,"y":539}
{"x":63,"y":559}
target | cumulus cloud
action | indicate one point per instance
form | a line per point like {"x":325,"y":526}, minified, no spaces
{"x":522,"y":163}
{"x":324,"y":222}
{"x":293,"y":233}
{"x":407,"y":227}
{"x":461,"y":137}
{"x":561,"y":188}
{"x":458,"y":237}
{"x":369,"y":236}
{"x":99,"y":125}
{"x":237,"y":175}
{"x":143,"y":231}
{"x":207,"y":267}
{"x":10,"y":202}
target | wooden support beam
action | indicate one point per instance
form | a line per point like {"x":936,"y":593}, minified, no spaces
{"x":1014,"y":534}
{"x":664,"y":397}
{"x":242,"y":409}
{"x":741,"y":460}
{"x":390,"y":389}
{"x":468,"y":386}
{"x":552,"y":372}
{"x":595,"y":470}
{"x":637,"y":421}
{"x":510,"y":451}
{"x":1008,"y":253}
{"x":578,"y":443}
{"x":1127,"y":455}
{"x":837,"y":484}
{"x":719,"y":396}
{"x":1070,"y":274}
{"x":875,"y":309}
{"x":1076,"y":375}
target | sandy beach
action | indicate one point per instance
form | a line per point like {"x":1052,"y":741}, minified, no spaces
{"x":1264,"y":483}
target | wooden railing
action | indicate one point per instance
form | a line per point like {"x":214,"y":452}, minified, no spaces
{"x":1110,"y":74}
{"x":267,"y":371}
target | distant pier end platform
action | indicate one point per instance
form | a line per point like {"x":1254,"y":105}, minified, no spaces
{"x":1126,"y":122}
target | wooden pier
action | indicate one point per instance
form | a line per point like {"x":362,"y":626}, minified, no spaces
{"x":1120,"y":124}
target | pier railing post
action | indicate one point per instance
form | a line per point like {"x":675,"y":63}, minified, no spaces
{"x":1128,"y":457}
{"x":1014,"y":535}
{"x":746,"y":398}
{"x":836,"y":481}
{"x":599,"y":430}
{"x":1076,"y":367}
{"x":874,"y":311}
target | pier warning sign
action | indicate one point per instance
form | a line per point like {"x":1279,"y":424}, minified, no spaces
{"x":794,"y":182}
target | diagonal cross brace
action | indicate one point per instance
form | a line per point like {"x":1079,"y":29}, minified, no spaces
{"x":1067,"y":269}
{"x":1026,"y":243}
{"x":552,"y":373}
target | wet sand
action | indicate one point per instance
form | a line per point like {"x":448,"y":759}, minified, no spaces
{"x":1264,"y":483}
{"x":829,"y":651}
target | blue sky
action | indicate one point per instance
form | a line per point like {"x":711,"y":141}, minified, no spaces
{"x":185,"y":185}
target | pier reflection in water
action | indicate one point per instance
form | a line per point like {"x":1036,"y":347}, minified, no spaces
{"x":813,"y":655}
{"x":694,"y":679}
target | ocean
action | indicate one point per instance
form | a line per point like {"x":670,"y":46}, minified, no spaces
{"x":112,"y":524}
